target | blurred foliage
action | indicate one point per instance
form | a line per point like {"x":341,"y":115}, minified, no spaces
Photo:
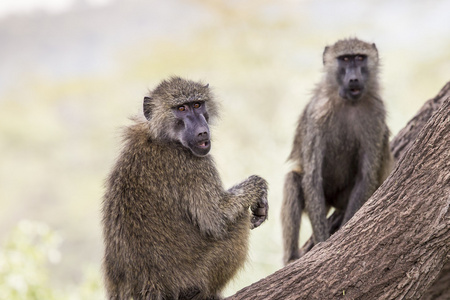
{"x":23,"y":274}
{"x":24,"y":258}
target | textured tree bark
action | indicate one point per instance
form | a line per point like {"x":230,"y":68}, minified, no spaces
{"x":397,"y":246}
{"x":440,"y":289}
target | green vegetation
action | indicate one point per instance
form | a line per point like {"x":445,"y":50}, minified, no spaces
{"x":24,"y":258}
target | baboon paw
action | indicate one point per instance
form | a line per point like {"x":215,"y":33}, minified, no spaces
{"x":260,"y":213}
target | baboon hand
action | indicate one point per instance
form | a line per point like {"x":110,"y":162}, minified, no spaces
{"x":260,"y":208}
{"x":260,"y":212}
{"x":253,"y":191}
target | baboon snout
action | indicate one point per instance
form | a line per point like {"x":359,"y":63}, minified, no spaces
{"x":353,"y":76}
{"x":198,"y":140}
{"x":202,"y":132}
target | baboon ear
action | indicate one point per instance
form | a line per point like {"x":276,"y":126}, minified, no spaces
{"x":206,"y":86}
{"x":375,"y":48}
{"x":147,"y":107}
{"x":324,"y":53}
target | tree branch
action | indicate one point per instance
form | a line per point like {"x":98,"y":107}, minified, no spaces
{"x":398,"y":244}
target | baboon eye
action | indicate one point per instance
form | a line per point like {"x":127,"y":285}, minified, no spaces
{"x":197,"y":104}
{"x":181,"y":108}
{"x":359,"y":57}
{"x":345,"y":58}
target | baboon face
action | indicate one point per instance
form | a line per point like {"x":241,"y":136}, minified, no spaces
{"x":192,"y":127}
{"x":180,"y":110}
{"x":352,"y":76}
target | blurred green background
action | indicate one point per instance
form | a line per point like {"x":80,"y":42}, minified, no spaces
{"x":73,"y":71}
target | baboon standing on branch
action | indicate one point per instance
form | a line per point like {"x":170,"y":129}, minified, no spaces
{"x":170,"y":229}
{"x":341,"y":146}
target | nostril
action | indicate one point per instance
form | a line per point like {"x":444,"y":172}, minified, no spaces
{"x":202,"y":133}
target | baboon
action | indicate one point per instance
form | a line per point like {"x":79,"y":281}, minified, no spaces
{"x":170,"y":229}
{"x":341,"y":147}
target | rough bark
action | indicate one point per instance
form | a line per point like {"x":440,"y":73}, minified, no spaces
{"x":397,"y":246}
{"x":440,"y":289}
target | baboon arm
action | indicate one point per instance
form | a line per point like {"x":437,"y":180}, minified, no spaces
{"x":387,"y":161}
{"x":291,"y":213}
{"x":312,"y":184}
{"x":233,"y":205}
{"x":252,"y":193}
{"x":204,"y":209}
{"x":225,"y":207}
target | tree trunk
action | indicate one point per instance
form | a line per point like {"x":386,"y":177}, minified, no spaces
{"x":397,"y":246}
{"x":440,"y":289}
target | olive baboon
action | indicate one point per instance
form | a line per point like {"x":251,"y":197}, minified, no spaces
{"x":170,"y":229}
{"x":341,"y":146}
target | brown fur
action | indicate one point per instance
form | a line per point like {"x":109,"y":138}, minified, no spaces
{"x":170,"y":229}
{"x":340,"y":152}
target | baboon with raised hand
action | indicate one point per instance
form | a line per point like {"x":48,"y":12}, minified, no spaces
{"x":341,"y":147}
{"x":170,"y":229}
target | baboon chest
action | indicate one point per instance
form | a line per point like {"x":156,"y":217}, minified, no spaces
{"x":340,"y":161}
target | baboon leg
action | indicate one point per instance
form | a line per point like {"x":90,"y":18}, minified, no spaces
{"x":334,"y":223}
{"x":291,"y":213}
